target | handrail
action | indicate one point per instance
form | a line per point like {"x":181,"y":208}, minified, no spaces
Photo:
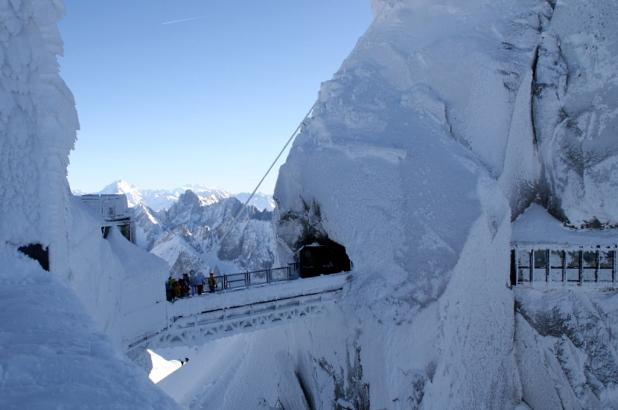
{"x":248,"y":279}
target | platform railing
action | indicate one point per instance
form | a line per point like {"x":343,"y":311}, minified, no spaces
{"x":248,"y":279}
{"x":577,"y":266}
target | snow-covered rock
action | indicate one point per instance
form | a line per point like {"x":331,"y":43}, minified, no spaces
{"x":576,"y":111}
{"x":568,"y":356}
{"x":192,"y":235}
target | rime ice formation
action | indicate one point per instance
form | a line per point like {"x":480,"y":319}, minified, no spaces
{"x":576,"y":118}
{"x":38,"y":123}
{"x":52,"y":353}
{"x":447,"y":120}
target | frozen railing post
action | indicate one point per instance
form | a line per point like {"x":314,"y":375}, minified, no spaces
{"x":564,"y":265}
{"x":597,"y":260}
{"x":580,"y":257}
{"x":547,"y":265}
{"x":613,"y":266}
{"x":531,"y":266}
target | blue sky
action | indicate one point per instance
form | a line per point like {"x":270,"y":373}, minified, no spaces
{"x":208,"y":100}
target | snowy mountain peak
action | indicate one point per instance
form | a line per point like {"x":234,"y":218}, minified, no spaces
{"x":120,"y":186}
{"x":162,"y":199}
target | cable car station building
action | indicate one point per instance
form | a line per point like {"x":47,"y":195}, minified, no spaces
{"x":544,"y":251}
{"x":111,"y":210}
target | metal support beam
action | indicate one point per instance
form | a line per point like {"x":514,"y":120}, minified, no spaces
{"x":597,"y":258}
{"x":547,"y":265}
{"x":531,"y":267}
{"x":513,"y":278}
{"x":613,"y":253}
{"x":581,"y":266}
{"x":564,"y":266}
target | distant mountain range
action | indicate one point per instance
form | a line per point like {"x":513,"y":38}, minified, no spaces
{"x":161,"y":199}
{"x":191,"y":227}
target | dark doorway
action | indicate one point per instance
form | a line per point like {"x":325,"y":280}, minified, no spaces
{"x":321,"y":258}
{"x":38,"y":253}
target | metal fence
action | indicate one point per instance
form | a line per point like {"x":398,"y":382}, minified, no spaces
{"x":568,"y":265}
{"x":248,"y":279}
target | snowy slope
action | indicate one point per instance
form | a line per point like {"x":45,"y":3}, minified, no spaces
{"x":51,"y":356}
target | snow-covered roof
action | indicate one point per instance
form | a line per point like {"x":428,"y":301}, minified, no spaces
{"x":537,"y":228}
{"x":109,"y":207}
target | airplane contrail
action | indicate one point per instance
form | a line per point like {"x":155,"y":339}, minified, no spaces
{"x":165,"y":23}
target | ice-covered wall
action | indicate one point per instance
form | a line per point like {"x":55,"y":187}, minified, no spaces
{"x":436,"y":131}
{"x":576,"y":110}
{"x":52,"y":353}
{"x":37,"y":125}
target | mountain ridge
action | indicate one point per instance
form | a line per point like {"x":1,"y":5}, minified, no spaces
{"x":163,"y":199}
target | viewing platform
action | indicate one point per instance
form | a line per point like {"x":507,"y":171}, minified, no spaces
{"x":198,"y":319}
{"x":544,"y":251}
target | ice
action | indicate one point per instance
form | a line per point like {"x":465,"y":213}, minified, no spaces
{"x":536,"y":227}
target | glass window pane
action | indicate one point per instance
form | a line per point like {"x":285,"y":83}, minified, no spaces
{"x":556,"y":261}
{"x":590,"y":263}
{"x":540,"y":259}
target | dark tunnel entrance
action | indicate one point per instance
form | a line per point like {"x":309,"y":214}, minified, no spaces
{"x":321,"y":257}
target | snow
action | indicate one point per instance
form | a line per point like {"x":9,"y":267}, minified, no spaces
{"x":536,"y":227}
{"x":435,"y":132}
{"x":446,"y":121}
{"x":52,"y":356}
{"x":120,"y":285}
{"x":412,"y":136}
{"x":161,"y":368}
{"x":575,"y":109}
{"x":565,"y":347}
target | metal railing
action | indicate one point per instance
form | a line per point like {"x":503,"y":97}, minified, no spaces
{"x":244,"y":280}
{"x":576,"y":266}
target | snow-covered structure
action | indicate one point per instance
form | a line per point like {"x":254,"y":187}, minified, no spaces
{"x":60,"y":328}
{"x":113,"y":210}
{"x":546,"y":251}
